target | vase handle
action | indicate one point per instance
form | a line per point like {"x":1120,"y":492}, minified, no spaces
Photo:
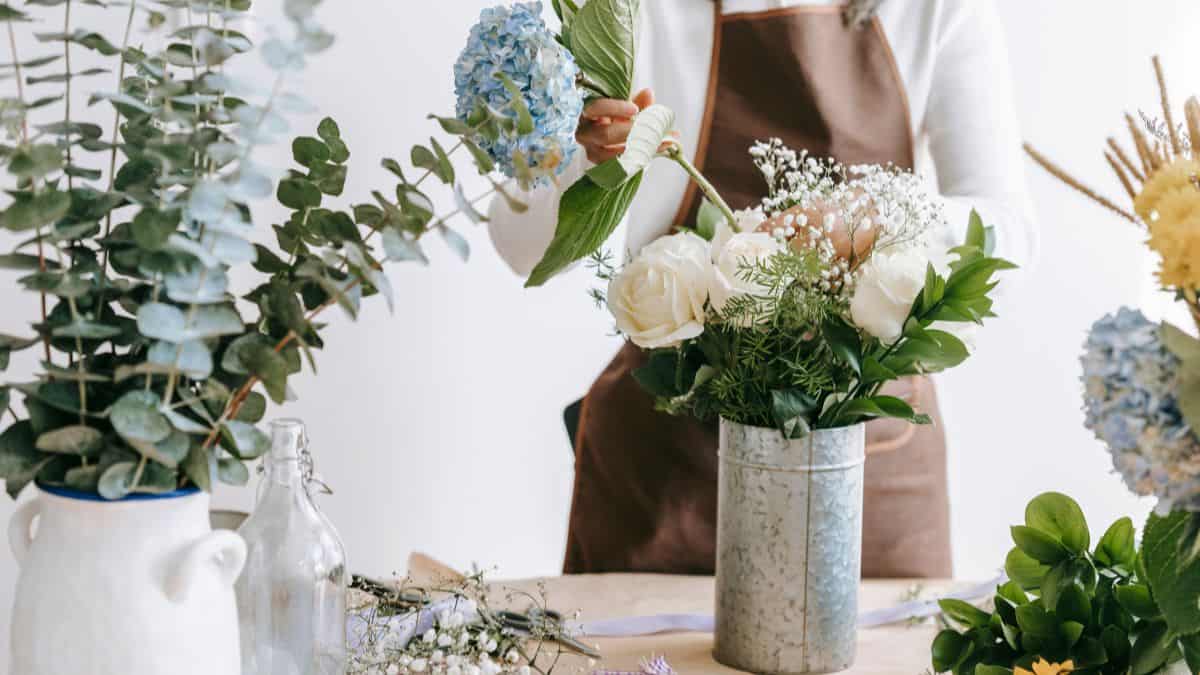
{"x":223,"y":550}
{"x":19,"y":537}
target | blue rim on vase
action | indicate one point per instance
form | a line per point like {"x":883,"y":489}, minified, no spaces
{"x":68,"y":493}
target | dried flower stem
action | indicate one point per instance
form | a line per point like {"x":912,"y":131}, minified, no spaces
{"x":1063,"y":176}
{"x":1150,"y":161}
{"x":1191,"y":110}
{"x":1166,"y":105}
{"x":1120,"y":171}
{"x":1121,"y":155}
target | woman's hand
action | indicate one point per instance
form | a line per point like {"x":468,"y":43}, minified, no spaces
{"x":606,"y":123}
{"x":848,"y":244}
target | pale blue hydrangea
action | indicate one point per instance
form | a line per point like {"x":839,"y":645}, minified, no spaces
{"x":1130,"y":380}
{"x":515,"y":41}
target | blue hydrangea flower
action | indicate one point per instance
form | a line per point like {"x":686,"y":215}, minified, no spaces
{"x":1130,"y":380}
{"x":517,"y":42}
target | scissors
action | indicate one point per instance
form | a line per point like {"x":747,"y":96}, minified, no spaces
{"x":550,"y":623}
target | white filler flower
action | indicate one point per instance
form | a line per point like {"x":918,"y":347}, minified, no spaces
{"x":658,"y":299}
{"x":728,"y":280}
{"x":884,"y":292}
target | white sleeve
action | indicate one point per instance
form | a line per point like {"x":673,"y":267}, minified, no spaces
{"x":973,"y":133}
{"x":522,"y":238}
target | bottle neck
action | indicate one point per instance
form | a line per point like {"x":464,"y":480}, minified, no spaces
{"x":284,"y":463}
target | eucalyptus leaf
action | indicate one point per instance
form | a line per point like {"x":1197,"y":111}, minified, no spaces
{"x":76,"y":439}
{"x":190,"y":358}
{"x":166,"y":322}
{"x":245,"y":439}
{"x":135,"y":417}
{"x":118,"y":480}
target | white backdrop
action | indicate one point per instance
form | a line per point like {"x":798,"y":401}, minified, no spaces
{"x":439,"y":427}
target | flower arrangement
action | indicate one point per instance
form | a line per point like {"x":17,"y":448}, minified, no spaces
{"x":1067,"y":607}
{"x":791,"y":322}
{"x":154,"y":369}
{"x":1142,"y":380}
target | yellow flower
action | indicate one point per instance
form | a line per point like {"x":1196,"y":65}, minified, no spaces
{"x":1043,"y":667}
{"x":1181,"y":173}
{"x":1175,"y":236}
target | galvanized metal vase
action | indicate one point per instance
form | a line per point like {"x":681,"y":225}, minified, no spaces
{"x":789,"y":547}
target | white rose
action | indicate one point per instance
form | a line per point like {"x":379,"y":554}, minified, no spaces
{"x":727,"y":279}
{"x":748,"y":220}
{"x":887,"y":285}
{"x":658,"y":299}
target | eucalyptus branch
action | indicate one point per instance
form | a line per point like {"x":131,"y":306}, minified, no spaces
{"x":12,"y":43}
{"x":429,"y":172}
{"x":674,"y":152}
{"x":67,"y":86}
{"x":116,"y":127}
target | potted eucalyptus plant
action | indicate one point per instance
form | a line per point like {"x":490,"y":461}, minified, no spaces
{"x":154,"y":372}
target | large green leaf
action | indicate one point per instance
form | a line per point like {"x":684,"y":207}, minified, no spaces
{"x":603,"y":39}
{"x":1059,"y":516}
{"x":587,"y":215}
{"x":1175,"y":585}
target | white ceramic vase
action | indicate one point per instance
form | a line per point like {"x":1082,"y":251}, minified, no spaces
{"x":141,"y":586}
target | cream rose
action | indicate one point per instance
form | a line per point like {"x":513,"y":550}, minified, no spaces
{"x":658,"y":299}
{"x":748,"y":220}
{"x":744,"y":248}
{"x":884,"y":292}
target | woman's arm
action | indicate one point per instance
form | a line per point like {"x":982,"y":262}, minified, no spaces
{"x":973,"y":133}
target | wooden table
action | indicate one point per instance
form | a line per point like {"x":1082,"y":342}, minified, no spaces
{"x":895,"y":650}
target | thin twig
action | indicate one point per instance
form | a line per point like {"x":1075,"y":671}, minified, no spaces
{"x":1078,"y":186}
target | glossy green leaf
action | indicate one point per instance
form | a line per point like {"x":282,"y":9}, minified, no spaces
{"x":1038,"y":545}
{"x":587,"y":215}
{"x":603,"y":40}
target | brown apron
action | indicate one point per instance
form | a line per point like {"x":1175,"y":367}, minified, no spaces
{"x":645,"y":482}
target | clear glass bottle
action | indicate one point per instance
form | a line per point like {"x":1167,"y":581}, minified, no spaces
{"x":292,"y":594}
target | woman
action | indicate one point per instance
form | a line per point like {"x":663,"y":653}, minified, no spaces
{"x":917,"y":83}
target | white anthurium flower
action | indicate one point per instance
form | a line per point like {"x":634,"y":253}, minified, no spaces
{"x":727,"y":279}
{"x":658,"y":299}
{"x":886,"y":287}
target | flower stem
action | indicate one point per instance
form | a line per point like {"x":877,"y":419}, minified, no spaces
{"x":674,"y":152}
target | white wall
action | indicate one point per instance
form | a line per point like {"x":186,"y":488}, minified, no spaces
{"x":440,"y":429}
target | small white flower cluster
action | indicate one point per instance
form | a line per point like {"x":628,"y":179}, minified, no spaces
{"x":451,"y":647}
{"x":811,"y":197}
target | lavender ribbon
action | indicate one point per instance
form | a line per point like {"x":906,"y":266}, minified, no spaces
{"x":702,"y":623}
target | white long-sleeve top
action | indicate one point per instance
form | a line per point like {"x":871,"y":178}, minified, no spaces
{"x":953,"y":62}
